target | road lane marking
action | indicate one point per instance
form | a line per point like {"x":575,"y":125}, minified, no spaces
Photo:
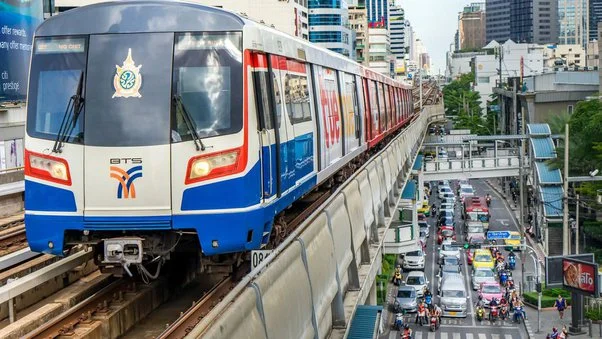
{"x":495,"y":336}
{"x":482,"y":336}
{"x":469,"y":336}
{"x":443,"y":335}
{"x":431,"y":335}
{"x":469,"y":300}
{"x":456,"y":335}
{"x":418,"y":335}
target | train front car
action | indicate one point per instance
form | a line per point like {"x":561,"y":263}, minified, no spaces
{"x":137,"y":134}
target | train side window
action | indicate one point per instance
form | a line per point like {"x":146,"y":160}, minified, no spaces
{"x":277,"y":98}
{"x":382,"y":107}
{"x":262,"y":99}
{"x":297,"y":98}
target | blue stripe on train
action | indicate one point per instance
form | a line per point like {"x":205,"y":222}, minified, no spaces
{"x":41,"y":197}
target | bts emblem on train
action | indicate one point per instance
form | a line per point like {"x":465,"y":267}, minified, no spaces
{"x":127,"y":80}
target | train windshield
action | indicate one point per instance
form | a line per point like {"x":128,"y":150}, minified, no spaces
{"x":207,"y":78}
{"x":56,"y":69}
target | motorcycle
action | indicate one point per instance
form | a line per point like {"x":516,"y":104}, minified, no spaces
{"x":480,"y":313}
{"x":406,"y":335}
{"x":433,"y":211}
{"x":493,"y":314}
{"x":512,"y":262}
{"x":398,"y":322}
{"x":504,"y":312}
{"x":503,"y":277}
{"x":433,"y":323}
{"x":518,"y":314}
{"x":488,"y":200}
{"x":397,"y":279}
{"x":421,"y":318}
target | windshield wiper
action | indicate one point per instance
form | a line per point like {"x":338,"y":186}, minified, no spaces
{"x":75,"y":105}
{"x":188,"y":122}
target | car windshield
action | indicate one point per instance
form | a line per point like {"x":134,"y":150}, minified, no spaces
{"x":451,"y":261}
{"x":450,"y":268}
{"x":415,"y":281}
{"x":445,"y":189}
{"x":406,"y":293}
{"x":483,"y":273}
{"x":453,"y":294}
{"x":483,"y":258}
{"x":491,"y":289}
{"x":447,"y":233}
{"x":422,"y":234}
{"x":476,"y":229}
{"x":451,"y":248}
{"x":467,"y":190}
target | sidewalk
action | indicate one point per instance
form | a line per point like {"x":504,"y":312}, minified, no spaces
{"x":551,"y":319}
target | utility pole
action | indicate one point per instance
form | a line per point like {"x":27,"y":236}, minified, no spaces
{"x":420,"y":82}
{"x":521,"y":162}
{"x":577,"y":227}
{"x":565,"y":209}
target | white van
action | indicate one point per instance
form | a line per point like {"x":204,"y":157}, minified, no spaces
{"x":453,"y":297}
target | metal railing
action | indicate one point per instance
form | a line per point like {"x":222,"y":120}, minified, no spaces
{"x":472,"y":164}
{"x":11,"y":170}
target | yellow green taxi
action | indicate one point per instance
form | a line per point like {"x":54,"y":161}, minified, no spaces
{"x":513,"y":243}
{"x":425,"y":209}
{"x":482,"y":259}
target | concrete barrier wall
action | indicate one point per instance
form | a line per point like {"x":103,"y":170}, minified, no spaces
{"x":301,"y":293}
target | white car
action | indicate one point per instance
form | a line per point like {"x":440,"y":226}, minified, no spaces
{"x":466,"y":191}
{"x":449,"y":195}
{"x":418,"y":280}
{"x":443,"y":190}
{"x":449,"y":250}
{"x":447,"y":205}
{"x":414,"y":260}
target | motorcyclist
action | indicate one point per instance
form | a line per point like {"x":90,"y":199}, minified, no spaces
{"x":421,"y":314}
{"x":493,"y":302}
{"x":437,"y":312}
{"x":407,"y":332}
{"x":433,"y":210}
{"x":480,"y":302}
{"x":519,"y":303}
{"x":480,"y":312}
{"x":397,"y":275}
{"x":428,"y":296}
{"x":488,"y":199}
{"x":554,"y":334}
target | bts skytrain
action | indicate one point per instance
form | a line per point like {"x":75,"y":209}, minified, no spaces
{"x":158,"y":126}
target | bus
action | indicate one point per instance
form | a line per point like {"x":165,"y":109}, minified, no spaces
{"x":475,"y":209}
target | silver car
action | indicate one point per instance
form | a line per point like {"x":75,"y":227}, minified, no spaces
{"x":449,"y":250}
{"x":418,"y":281}
{"x":481,"y":275}
{"x":406,"y":299}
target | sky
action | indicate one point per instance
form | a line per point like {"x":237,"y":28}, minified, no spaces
{"x":435,"y":22}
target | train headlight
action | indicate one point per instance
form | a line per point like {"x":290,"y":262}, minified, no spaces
{"x":214,"y":165}
{"x":201,"y":168}
{"x":47,"y":167}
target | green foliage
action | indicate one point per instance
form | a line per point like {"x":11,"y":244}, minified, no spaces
{"x":464,"y":106}
{"x":557,"y":122}
{"x":585,"y":138}
{"x":594,"y":314}
{"x":546,"y":301}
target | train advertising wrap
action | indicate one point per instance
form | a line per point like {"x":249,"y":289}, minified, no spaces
{"x":18,"y":21}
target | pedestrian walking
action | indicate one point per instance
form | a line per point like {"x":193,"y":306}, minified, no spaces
{"x":560,"y":305}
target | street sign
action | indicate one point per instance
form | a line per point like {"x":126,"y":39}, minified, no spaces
{"x":493,"y":235}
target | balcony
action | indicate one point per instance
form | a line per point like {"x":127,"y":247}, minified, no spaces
{"x":360,"y":59}
{"x":360,"y":46}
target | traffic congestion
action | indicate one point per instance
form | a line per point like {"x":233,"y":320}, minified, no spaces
{"x":460,"y":276}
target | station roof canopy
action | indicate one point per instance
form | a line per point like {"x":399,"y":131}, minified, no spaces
{"x":418,"y":163}
{"x":543,"y":148}
{"x":409,"y":191}
{"x":551,"y":197}
{"x":547,"y":175}
{"x":539,"y":129}
{"x":364,"y":324}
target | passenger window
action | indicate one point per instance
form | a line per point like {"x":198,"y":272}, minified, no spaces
{"x":262,"y":100}
{"x":297,"y":98}
{"x":277,"y":98}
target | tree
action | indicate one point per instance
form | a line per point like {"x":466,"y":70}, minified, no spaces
{"x":463,"y":105}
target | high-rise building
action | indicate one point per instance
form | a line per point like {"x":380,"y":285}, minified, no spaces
{"x":290,"y":17}
{"x":531,"y":21}
{"x":329,"y":26}
{"x":409,"y":40}
{"x":595,"y":16}
{"x":378,"y":13}
{"x":379,"y":50}
{"x":358,"y":20}
{"x":397,"y":29}
{"x":573,"y":19}
{"x":471,"y":27}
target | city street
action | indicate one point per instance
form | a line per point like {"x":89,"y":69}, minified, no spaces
{"x":469,"y":327}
